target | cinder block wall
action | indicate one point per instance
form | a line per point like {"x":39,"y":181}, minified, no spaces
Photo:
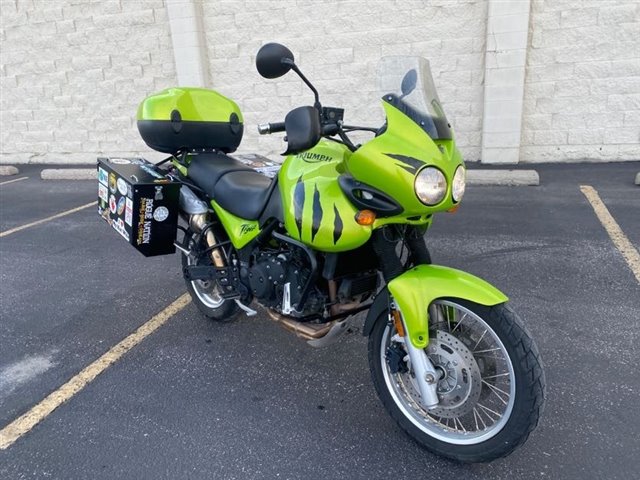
{"x":582,"y":84}
{"x":337,"y":45}
{"x":73,"y":72}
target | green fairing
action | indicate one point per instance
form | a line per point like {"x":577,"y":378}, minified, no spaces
{"x":317,"y":212}
{"x":194,"y":104}
{"x":240,"y":231}
{"x":416,"y":289}
{"x":390,"y":162}
{"x":315,"y":209}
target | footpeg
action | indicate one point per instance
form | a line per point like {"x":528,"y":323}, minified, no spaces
{"x":199,"y":272}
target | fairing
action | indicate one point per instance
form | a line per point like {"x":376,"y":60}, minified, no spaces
{"x":315,"y":209}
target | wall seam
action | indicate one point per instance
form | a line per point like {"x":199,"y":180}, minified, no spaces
{"x":505,"y":69}
{"x":189,"y":42}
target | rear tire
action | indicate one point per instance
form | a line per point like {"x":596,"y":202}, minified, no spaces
{"x":205,"y":294}
{"x":524,"y":379}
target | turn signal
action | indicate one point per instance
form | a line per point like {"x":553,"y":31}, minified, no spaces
{"x":397,"y":321}
{"x":365,"y":217}
{"x":454,"y":209}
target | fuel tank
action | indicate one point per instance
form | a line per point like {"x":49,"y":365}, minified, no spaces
{"x":315,"y":209}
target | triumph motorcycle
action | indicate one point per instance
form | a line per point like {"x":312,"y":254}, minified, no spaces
{"x":340,"y":230}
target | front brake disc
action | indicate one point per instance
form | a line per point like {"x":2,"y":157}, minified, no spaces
{"x":460,"y":381}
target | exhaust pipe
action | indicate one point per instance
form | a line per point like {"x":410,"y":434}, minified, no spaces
{"x":306,"y":331}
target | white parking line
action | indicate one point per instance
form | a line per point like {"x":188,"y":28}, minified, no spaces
{"x":48,"y":219}
{"x":14,"y":180}
{"x":619,"y":239}
{"x":40,"y":411}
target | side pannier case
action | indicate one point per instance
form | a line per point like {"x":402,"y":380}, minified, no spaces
{"x":193,"y":119}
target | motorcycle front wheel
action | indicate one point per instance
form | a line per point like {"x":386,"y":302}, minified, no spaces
{"x":491,"y":384}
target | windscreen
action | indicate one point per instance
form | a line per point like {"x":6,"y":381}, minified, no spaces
{"x":406,"y":83}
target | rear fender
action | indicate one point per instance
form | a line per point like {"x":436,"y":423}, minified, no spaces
{"x":416,"y":289}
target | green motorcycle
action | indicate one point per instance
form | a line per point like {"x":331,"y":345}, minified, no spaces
{"x":340,"y":230}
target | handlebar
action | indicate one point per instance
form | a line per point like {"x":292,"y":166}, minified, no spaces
{"x":267,"y":128}
{"x":275,"y":127}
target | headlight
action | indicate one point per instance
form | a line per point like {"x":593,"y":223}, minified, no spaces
{"x":430,"y":186}
{"x":459,"y":183}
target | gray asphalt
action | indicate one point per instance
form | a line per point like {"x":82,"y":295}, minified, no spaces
{"x":248,"y":400}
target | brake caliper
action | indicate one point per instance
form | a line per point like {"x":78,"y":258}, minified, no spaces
{"x":395,"y":358}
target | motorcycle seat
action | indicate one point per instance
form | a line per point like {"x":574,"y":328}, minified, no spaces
{"x":233,"y":185}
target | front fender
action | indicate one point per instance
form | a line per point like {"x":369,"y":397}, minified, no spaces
{"x":416,"y":289}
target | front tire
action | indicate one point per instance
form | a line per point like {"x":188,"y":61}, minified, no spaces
{"x":491,"y":383}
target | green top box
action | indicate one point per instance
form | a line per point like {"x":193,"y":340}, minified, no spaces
{"x":190,"y":119}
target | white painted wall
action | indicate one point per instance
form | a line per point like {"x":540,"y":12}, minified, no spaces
{"x":337,"y":45}
{"x":188,"y":39}
{"x":506,"y":53}
{"x":72,"y":72}
{"x":582,"y":86}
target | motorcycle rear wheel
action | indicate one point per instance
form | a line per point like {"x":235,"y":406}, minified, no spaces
{"x":491,"y":382}
{"x":204,"y":294}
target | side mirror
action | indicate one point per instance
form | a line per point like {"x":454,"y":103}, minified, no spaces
{"x":274,"y":60}
{"x":303,"y":129}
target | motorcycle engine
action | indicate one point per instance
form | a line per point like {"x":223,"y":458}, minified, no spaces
{"x":270,"y":273}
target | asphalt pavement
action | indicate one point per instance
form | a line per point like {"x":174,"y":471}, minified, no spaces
{"x":247,"y":399}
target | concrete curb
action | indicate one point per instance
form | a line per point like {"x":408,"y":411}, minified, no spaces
{"x":7,"y":170}
{"x":638,"y":178}
{"x":474,"y":177}
{"x":510,"y":178}
{"x":69,"y":174}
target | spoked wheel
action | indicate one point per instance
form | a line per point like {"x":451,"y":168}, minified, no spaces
{"x":490,"y":382}
{"x":205,"y":293}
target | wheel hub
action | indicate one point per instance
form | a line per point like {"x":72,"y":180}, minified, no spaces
{"x":460,"y":380}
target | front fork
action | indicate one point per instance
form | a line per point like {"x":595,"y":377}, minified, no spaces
{"x":425,"y":373}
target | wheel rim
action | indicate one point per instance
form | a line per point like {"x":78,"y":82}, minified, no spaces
{"x":477,"y":381}
{"x":206,"y":291}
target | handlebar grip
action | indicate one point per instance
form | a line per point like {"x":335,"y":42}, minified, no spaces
{"x":330,"y":129}
{"x":267,"y":128}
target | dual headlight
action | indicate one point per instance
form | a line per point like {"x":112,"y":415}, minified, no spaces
{"x":431,"y":185}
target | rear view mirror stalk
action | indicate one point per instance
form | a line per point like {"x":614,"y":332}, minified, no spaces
{"x":294,"y":67}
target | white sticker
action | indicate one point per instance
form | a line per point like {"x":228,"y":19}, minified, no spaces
{"x":112,"y":204}
{"x":120,"y":161}
{"x":122,"y":186}
{"x":102,"y":176}
{"x":103,"y":192}
{"x":118,"y":226}
{"x":161,"y":214}
{"x":128,"y":212}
